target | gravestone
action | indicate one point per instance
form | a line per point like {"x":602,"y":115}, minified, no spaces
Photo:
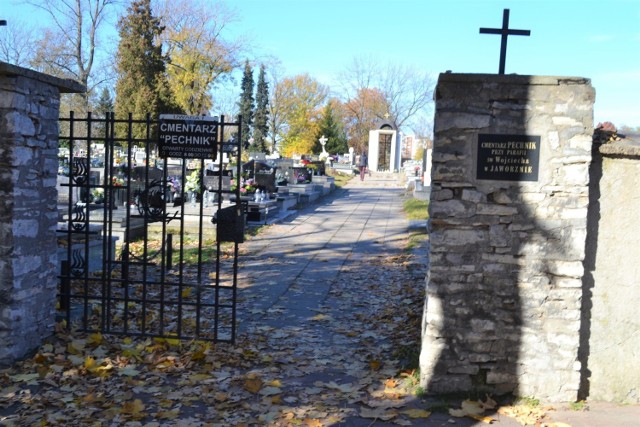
{"x":266,"y":180}
{"x":211,"y":183}
{"x":284,"y":170}
{"x":508,"y":209}
{"x":254,"y":166}
{"x":319,"y":168}
{"x":323,"y":141}
{"x":301,"y":175}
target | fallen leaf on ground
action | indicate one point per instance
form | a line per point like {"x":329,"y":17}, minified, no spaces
{"x":378,"y":413}
{"x":253,"y":385}
{"x":416,"y":413}
{"x":133,"y":409}
{"x":483,"y":418}
{"x":523,"y":414}
{"x":489,"y":403}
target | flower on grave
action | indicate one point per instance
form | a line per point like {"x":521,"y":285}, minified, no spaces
{"x":301,"y":178}
{"x":97,"y":194}
{"x":193,"y":182}
{"x":173,"y":184}
{"x":246,"y":186}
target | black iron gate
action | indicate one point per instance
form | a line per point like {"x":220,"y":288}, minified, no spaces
{"x":147,"y":246}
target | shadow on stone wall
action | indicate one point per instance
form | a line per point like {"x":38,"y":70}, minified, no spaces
{"x":503,"y":293}
{"x":588,"y":282}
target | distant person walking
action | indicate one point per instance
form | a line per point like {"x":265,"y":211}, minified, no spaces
{"x":362,"y":165}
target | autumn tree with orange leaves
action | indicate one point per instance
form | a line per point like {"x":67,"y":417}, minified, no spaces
{"x":362,"y":113}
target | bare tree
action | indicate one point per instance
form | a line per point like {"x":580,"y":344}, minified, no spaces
{"x":406,"y":90}
{"x":68,"y":48}
{"x":423,"y":129}
{"x":17,"y":40}
{"x":277,"y":124}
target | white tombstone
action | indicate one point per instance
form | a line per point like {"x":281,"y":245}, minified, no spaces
{"x":323,"y":141}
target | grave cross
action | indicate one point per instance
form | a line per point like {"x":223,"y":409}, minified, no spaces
{"x":323,"y":142}
{"x":505,"y":32}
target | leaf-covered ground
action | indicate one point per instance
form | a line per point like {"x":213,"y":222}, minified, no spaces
{"x":351,"y":363}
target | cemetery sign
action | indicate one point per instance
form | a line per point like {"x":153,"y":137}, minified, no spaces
{"x":508,"y":157}
{"x":188,"y":137}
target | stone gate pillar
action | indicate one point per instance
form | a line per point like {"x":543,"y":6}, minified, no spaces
{"x":29,"y":106}
{"x":509,"y":198}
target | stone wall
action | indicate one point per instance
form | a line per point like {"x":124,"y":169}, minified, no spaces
{"x":29,"y":105}
{"x":502,"y":312}
{"x":612,"y":293}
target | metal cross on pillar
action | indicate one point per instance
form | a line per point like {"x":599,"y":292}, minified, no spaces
{"x":505,"y":32}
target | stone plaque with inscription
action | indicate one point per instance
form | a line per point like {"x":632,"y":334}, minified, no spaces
{"x":508,"y":157}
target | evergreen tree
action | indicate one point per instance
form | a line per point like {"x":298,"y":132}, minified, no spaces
{"x":101,"y":106}
{"x":142,"y":84}
{"x":332,"y":129}
{"x":246,"y":104}
{"x":104,"y":103}
{"x":261,"y":118}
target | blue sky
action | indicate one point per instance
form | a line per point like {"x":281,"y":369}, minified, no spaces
{"x":596,"y":39}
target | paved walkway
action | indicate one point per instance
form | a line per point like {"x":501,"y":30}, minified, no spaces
{"x":292,"y":264}
{"x":307,"y":280}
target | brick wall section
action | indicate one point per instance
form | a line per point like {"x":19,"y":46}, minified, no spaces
{"x":29,"y":106}
{"x":502,"y":312}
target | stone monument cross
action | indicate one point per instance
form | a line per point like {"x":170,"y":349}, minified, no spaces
{"x":323,"y":141}
{"x":505,"y":32}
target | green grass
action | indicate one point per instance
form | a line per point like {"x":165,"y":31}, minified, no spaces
{"x":190,"y":254}
{"x":189,"y":238}
{"x":416,"y":209}
{"x":440,"y":406}
{"x":415,"y":240}
{"x":340,"y":179}
{"x":578,"y":406}
{"x":420,"y":392}
{"x":527,"y":401}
